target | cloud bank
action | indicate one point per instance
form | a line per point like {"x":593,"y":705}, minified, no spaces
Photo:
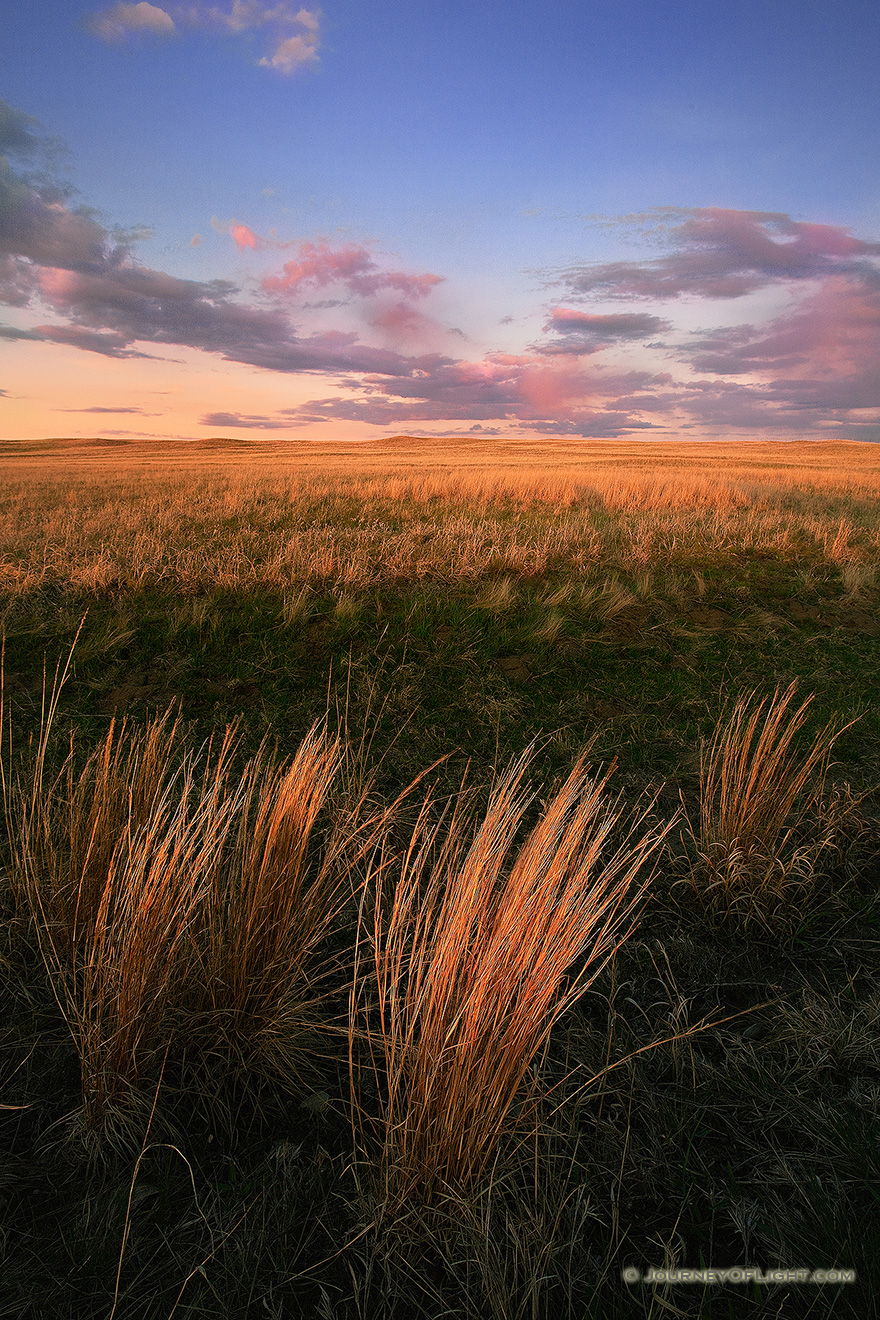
{"x":812,"y":368}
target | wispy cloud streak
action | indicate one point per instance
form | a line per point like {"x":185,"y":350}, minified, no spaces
{"x":722,"y":254}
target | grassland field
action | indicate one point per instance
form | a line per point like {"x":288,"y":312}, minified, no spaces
{"x":441,"y":606}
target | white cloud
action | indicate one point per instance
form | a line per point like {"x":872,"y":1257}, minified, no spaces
{"x":122,"y":21}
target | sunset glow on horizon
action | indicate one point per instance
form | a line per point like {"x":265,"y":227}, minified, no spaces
{"x":263,"y":219}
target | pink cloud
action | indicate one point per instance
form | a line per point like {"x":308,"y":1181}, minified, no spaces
{"x":824,"y":352}
{"x":108,"y":343}
{"x":17,"y":132}
{"x":243,"y":236}
{"x":588,"y":332}
{"x":613,"y":325}
{"x":122,"y":21}
{"x":318,"y":264}
{"x":98,"y":408}
{"x":294,"y":33}
{"x":292,"y":53}
{"x":525,"y":389}
{"x":405,"y":327}
{"x":400,"y":319}
{"x":245,"y":14}
{"x":723,"y":253}
{"x":241,"y":421}
{"x":39,"y":225}
{"x":134,"y":302}
{"x":17,"y":281}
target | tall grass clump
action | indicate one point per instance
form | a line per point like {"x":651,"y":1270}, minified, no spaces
{"x":111,"y":864}
{"x":270,"y":910}
{"x":760,"y":797}
{"x":479,"y":947}
{"x":178,"y":898}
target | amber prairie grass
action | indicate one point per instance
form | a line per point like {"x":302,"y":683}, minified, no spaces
{"x":350,"y":521}
{"x":110,"y":864}
{"x":268,"y":914}
{"x":175,"y":899}
{"x":197,"y":900}
{"x":760,"y":796}
{"x":480,"y":944}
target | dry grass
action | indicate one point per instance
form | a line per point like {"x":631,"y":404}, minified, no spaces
{"x":607,"y":600}
{"x":758,"y":796}
{"x":297,"y":607}
{"x":858,"y":579}
{"x":269,"y":913}
{"x":111,"y":864}
{"x":477,"y":953}
{"x":343,"y":519}
{"x":550,"y":627}
{"x":500,"y":596}
{"x":176,"y":898}
{"x":198,"y":911}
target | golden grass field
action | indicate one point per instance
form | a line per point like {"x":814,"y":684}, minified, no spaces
{"x":237,"y":513}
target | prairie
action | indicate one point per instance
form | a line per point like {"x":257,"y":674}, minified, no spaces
{"x":446,"y":876}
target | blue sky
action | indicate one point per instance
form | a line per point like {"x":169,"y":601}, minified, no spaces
{"x":261,"y":218}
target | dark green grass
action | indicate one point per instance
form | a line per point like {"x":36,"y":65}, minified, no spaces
{"x":651,"y":680}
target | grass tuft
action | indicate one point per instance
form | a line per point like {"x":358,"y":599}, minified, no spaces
{"x":499,"y":596}
{"x":297,"y":607}
{"x":175,"y":898}
{"x":758,"y":792}
{"x":474,"y":954}
{"x":268,"y":913}
{"x":111,"y":863}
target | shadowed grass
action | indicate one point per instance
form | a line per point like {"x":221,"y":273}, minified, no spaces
{"x":428,"y":592}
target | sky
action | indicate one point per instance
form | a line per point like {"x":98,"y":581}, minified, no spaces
{"x":261,"y":219}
